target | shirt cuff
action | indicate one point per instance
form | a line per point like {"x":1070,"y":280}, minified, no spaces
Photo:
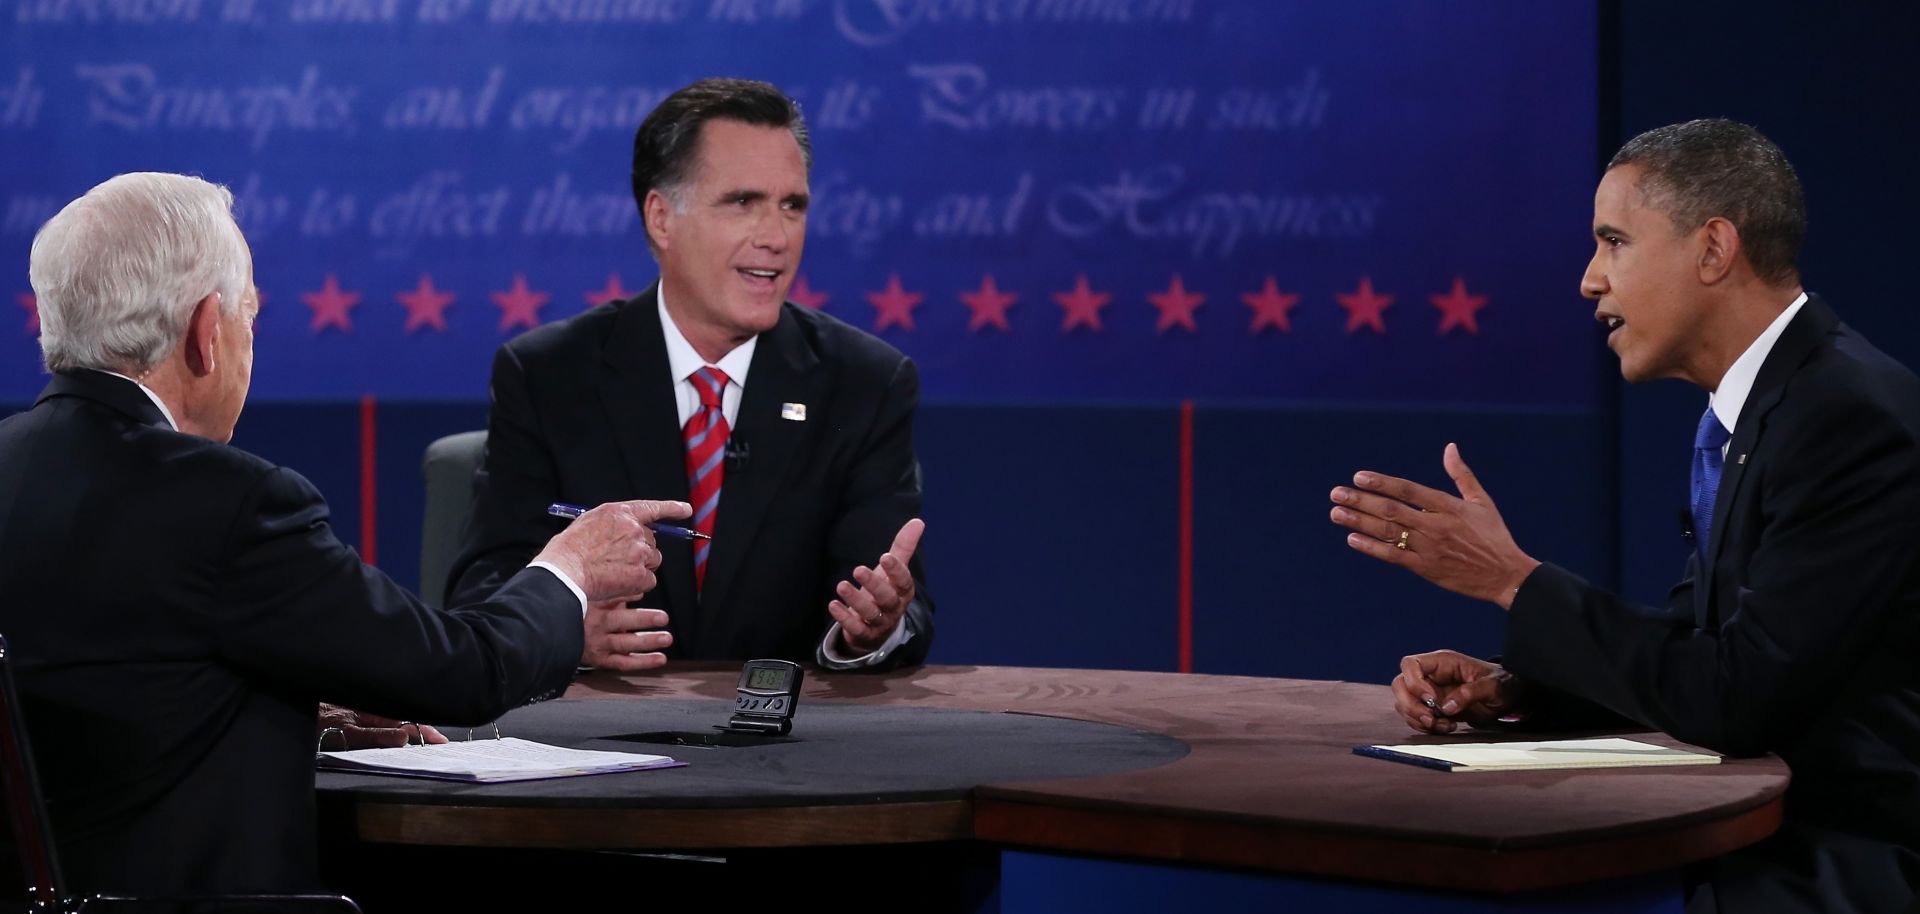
{"x":834,"y":660}
{"x":564,"y":580}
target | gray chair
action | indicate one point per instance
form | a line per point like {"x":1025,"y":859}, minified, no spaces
{"x":449,"y":467}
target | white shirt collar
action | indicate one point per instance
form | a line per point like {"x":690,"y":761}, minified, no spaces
{"x":683,"y":360}
{"x":1731,"y":397}
{"x":164,"y":412}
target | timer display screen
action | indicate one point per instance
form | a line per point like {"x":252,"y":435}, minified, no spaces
{"x":769,"y":679}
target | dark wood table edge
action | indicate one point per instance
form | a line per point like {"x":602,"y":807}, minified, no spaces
{"x":592,"y":828}
{"x":1145,"y":835}
{"x":1133,"y":834}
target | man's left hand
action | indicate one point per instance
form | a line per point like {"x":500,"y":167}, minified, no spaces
{"x":1461,"y":544}
{"x":371,"y":731}
{"x":869,"y":612}
{"x":627,"y":640}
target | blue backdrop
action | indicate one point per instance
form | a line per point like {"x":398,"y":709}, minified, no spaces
{"x":1373,"y":201}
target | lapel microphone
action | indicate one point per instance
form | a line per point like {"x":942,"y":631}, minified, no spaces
{"x":1686,"y":525}
{"x":738,"y":453}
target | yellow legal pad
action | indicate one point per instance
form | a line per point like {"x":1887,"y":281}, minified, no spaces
{"x":1608,"y":752}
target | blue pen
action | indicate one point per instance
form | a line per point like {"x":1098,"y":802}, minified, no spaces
{"x":562,"y":509}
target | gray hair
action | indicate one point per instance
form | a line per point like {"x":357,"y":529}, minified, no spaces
{"x":119,"y":270}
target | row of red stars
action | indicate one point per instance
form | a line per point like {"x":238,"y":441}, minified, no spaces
{"x":893,"y":306}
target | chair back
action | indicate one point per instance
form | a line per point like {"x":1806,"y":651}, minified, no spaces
{"x":449,"y":466}
{"x":26,"y":812}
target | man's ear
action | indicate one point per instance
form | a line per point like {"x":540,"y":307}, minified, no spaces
{"x":658,"y":213}
{"x":203,"y":336}
{"x":1721,"y":251}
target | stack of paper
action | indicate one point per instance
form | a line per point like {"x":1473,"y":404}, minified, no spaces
{"x":489,"y":761}
{"x":1611,"y":752}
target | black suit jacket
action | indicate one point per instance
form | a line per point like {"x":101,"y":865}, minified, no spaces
{"x":178,"y":608}
{"x":584,"y":412}
{"x":1800,"y":632}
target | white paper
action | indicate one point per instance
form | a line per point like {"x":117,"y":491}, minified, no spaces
{"x":1606,"y":752}
{"x":489,"y":760}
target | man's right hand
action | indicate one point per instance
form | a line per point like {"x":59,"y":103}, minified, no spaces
{"x":1438,"y":691}
{"x":609,"y":552}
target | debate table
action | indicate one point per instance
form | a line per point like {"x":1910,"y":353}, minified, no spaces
{"x":1254,"y":775}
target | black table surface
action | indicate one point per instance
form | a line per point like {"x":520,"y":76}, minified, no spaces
{"x":836,"y":754}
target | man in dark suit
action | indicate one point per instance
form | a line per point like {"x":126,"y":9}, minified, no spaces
{"x":178,"y":608}
{"x":790,"y":432}
{"x":1796,"y":627}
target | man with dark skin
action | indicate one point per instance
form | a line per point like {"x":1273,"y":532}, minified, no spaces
{"x":1794,"y":629}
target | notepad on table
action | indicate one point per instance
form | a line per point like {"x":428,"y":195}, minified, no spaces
{"x":489,"y":761}
{"x":1608,"y":752}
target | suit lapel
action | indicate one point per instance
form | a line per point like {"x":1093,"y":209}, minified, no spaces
{"x":783,"y":371}
{"x":637,"y":396}
{"x":1795,"y":344}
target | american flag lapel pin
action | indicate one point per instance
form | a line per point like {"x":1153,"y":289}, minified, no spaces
{"x":793,"y":412}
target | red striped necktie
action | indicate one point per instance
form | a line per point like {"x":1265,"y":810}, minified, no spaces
{"x":706,"y":435}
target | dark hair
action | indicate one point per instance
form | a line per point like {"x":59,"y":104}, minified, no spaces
{"x":1706,"y":168}
{"x":668,"y":142}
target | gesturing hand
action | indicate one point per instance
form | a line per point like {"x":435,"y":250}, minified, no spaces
{"x":609,"y":552}
{"x":1461,"y":544}
{"x":868,"y":613}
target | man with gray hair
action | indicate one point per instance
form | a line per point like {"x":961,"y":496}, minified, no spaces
{"x":177,"y":608}
{"x":1796,"y":626}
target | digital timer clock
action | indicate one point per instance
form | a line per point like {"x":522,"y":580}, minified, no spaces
{"x":765,"y":699}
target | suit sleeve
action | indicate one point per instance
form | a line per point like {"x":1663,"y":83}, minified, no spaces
{"x":1550,"y":709}
{"x":516,"y":482}
{"x":882,"y":493}
{"x":1840,"y":508}
{"x":296,"y":606}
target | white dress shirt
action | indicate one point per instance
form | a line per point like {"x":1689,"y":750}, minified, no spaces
{"x":1731,"y":396}
{"x":682,"y":362}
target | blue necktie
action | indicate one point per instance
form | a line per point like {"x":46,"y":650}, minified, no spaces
{"x":1707,"y":462}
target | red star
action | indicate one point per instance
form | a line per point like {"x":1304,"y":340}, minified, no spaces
{"x":803,"y":294}
{"x":893,"y":306}
{"x":426,"y":306}
{"x":613,"y":292}
{"x":1364,"y":307}
{"x":1176,"y":306}
{"x":1270,"y":307}
{"x":330,"y":306}
{"x":32,"y":304}
{"x":1082,"y":305}
{"x":519,"y":306}
{"x":989,"y":305}
{"x":1457,"y":308}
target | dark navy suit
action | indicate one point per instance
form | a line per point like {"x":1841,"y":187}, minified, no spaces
{"x":177,"y":608}
{"x":1797,"y":634}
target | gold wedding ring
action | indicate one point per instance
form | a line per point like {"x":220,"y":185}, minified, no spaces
{"x":1401,"y":543}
